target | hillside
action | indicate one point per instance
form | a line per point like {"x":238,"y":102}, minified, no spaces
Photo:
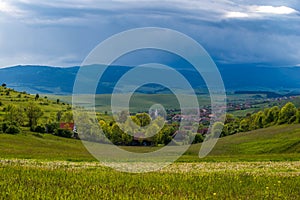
{"x":50,"y":108}
{"x":274,"y":143}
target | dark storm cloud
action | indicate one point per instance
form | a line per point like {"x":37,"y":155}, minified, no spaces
{"x":63,"y":32}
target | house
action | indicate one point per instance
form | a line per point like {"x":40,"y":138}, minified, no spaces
{"x":66,"y":125}
{"x":71,"y":127}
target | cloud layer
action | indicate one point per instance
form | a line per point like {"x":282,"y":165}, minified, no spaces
{"x":233,"y":31}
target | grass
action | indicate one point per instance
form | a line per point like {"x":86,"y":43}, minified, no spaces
{"x":42,"y":146}
{"x":43,"y":166}
{"x":22,"y":179}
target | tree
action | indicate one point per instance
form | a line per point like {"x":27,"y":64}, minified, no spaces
{"x":63,"y":133}
{"x":130,"y":125}
{"x":12,"y":129}
{"x":37,"y":96}
{"x":228,"y":129}
{"x":298,"y":116}
{"x":67,"y":117}
{"x":287,"y":113}
{"x":33,"y":113}
{"x":152,"y":130}
{"x":58,"y":116}
{"x":198,"y":138}
{"x":217,"y":127}
{"x":271,"y":116}
{"x":116,"y":134}
{"x":228,"y":118}
{"x":258,"y":119}
{"x":166,"y":132}
{"x":244,"y":125}
{"x":14,"y":115}
{"x":105,"y":128}
{"x":143,"y":119}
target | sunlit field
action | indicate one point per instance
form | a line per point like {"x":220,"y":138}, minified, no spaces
{"x":33,"y":179}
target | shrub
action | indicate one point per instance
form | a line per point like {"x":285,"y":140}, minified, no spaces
{"x":38,"y":129}
{"x":198,"y":138}
{"x":287,"y":113}
{"x":51,"y":127}
{"x":63,"y":133}
{"x":4,"y":127}
{"x":12,"y":129}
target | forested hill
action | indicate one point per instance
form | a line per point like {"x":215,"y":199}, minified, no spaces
{"x":56,"y":80}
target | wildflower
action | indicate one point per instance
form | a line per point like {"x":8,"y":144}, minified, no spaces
{"x":279,"y":182}
{"x":267,"y":188}
{"x":214,"y":194}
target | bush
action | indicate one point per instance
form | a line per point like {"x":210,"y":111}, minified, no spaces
{"x":4,"y":126}
{"x":51,"y":127}
{"x":38,"y":129}
{"x":198,"y":139}
{"x":63,"y":133}
{"x":12,"y":129}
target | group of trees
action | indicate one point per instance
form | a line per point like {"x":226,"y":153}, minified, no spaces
{"x":16,"y":116}
{"x":19,"y":110}
{"x":128,"y":130}
{"x":288,"y":114}
{"x":29,"y":115}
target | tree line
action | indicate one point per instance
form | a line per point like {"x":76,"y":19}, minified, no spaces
{"x":275,"y":115}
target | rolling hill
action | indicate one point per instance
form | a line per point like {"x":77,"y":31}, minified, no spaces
{"x":273,"y":143}
{"x":249,"y":77}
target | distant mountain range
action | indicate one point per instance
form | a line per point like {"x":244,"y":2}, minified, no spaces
{"x":56,"y":80}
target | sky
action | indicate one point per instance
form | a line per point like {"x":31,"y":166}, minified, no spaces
{"x":62,"y":33}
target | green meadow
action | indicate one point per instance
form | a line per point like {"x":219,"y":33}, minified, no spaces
{"x":31,"y":179}
{"x":262,"y":164}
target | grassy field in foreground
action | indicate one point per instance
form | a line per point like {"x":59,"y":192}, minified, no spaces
{"x":28,"y":179}
{"x":43,"y":166}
